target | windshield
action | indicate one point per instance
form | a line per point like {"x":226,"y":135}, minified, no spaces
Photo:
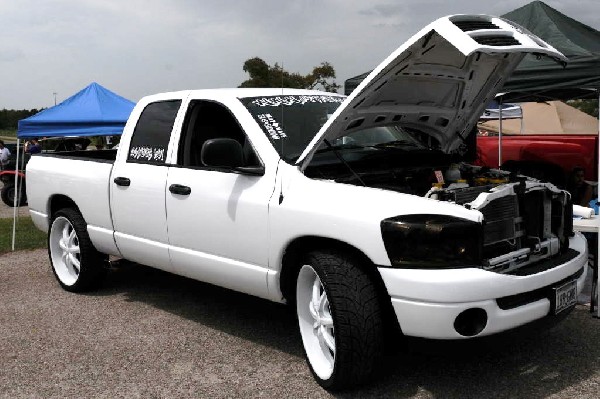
{"x":291,"y":122}
{"x":382,"y":136}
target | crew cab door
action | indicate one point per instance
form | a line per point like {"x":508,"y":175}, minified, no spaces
{"x":218,"y":218}
{"x":137,"y":186}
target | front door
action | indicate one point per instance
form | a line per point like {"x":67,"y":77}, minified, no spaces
{"x":218,"y":219}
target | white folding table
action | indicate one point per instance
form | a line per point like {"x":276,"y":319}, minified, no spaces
{"x":591,"y":225}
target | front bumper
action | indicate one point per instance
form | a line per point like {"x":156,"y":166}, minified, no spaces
{"x":427,"y":302}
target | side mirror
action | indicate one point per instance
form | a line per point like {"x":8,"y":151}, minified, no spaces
{"x":227,"y":153}
{"x":222,"y":153}
{"x":252,"y":170}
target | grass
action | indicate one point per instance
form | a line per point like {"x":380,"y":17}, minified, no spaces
{"x":27,"y":235}
{"x":9,"y":136}
{"x":8,"y":132}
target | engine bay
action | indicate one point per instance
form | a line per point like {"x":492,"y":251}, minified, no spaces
{"x":525,"y":221}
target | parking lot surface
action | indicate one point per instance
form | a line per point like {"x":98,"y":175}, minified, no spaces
{"x":150,"y":334}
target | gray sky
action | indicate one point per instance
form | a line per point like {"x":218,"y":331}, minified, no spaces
{"x":141,"y":47}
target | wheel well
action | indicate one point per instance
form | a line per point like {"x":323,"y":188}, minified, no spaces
{"x":292,"y":261}
{"x":58,"y":202}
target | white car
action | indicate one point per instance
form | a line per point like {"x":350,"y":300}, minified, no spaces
{"x":360,"y":211}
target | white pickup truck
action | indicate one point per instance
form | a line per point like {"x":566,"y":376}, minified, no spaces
{"x":336,"y":205}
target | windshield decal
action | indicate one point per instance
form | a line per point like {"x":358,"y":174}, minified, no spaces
{"x":291,"y":100}
{"x":271,"y":126}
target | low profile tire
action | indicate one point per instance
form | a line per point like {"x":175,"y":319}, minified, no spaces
{"x":340,"y":319}
{"x":76,"y":264}
{"x":8,"y":195}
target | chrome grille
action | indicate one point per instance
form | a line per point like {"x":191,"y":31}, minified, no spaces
{"x":501,"y":220}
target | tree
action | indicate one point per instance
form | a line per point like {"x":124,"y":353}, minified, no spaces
{"x":588,"y":106}
{"x":263,"y":75}
{"x":9,"y":118}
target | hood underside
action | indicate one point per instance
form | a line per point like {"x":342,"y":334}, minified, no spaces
{"x":438,"y":83}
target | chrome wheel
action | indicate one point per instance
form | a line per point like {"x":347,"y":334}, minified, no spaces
{"x":64,"y":251}
{"x":316,"y":322}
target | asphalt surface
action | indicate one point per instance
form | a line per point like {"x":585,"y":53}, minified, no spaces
{"x":150,"y":334}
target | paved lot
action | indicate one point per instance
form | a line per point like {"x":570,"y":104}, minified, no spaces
{"x":149,"y":334}
{"x":8,"y":212}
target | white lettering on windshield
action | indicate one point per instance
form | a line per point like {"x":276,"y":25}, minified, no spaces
{"x":291,"y":100}
{"x":271,"y":126}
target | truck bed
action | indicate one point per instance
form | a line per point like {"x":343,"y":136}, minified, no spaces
{"x":81,"y":176}
{"x":89,"y":155}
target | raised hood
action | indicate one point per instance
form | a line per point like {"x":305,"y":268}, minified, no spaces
{"x":438,"y":82}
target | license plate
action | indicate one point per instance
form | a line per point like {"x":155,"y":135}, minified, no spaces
{"x":566,"y":296}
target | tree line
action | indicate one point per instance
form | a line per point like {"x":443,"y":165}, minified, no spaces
{"x":9,"y":118}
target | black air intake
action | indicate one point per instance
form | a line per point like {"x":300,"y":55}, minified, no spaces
{"x":496,"y":41}
{"x":467,"y":26}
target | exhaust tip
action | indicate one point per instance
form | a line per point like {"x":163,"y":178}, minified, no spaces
{"x":470,"y":322}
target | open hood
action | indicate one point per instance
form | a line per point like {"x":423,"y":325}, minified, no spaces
{"x":438,"y":82}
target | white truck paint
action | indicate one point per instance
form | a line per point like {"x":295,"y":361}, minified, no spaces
{"x":253,"y":189}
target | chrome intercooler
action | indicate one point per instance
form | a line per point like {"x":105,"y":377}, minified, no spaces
{"x":524,"y":223}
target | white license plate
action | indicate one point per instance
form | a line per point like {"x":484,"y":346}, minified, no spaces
{"x":566,"y":296}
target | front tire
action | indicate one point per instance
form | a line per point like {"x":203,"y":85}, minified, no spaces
{"x":340,"y":319}
{"x":76,"y":264}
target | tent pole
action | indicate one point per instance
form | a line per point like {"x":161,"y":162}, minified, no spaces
{"x":22,"y":169}
{"x":500,"y":134}
{"x":15,"y":198}
{"x":597,"y":201}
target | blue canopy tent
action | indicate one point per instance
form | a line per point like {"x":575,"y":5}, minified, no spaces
{"x":94,"y":111}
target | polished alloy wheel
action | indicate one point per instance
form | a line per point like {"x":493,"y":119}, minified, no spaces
{"x":316,"y":322}
{"x":65,"y":251}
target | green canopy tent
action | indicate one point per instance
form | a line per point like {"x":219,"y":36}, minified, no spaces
{"x":579,"y":42}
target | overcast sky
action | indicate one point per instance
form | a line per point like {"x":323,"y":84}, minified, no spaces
{"x":141,"y":47}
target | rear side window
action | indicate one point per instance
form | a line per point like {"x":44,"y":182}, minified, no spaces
{"x":152,"y":133}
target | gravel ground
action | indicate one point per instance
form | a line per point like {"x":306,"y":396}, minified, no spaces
{"x":7,"y":211}
{"x":150,"y":334}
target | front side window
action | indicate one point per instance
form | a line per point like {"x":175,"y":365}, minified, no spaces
{"x":291,"y":122}
{"x":152,"y":133}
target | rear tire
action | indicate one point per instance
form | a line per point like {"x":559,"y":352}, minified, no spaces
{"x":76,"y":264}
{"x":8,"y":195}
{"x":340,"y":319}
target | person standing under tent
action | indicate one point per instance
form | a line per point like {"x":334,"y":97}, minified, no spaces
{"x":33,"y":147}
{"x":4,"y":154}
{"x":581,"y":191}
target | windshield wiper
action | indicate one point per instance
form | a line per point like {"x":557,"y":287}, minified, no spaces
{"x":396,"y":143}
{"x":338,"y":147}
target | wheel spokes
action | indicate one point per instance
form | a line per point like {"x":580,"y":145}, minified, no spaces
{"x":68,"y":245}
{"x":316,"y":322}
{"x":74,"y":263}
{"x":327,"y":334}
{"x":65,"y":233}
{"x":323,"y":321}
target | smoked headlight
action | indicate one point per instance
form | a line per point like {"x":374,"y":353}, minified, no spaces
{"x":432,"y":241}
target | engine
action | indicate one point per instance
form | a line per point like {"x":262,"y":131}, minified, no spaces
{"x":525,"y":221}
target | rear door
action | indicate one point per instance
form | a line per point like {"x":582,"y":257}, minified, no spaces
{"x":138,"y":186}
